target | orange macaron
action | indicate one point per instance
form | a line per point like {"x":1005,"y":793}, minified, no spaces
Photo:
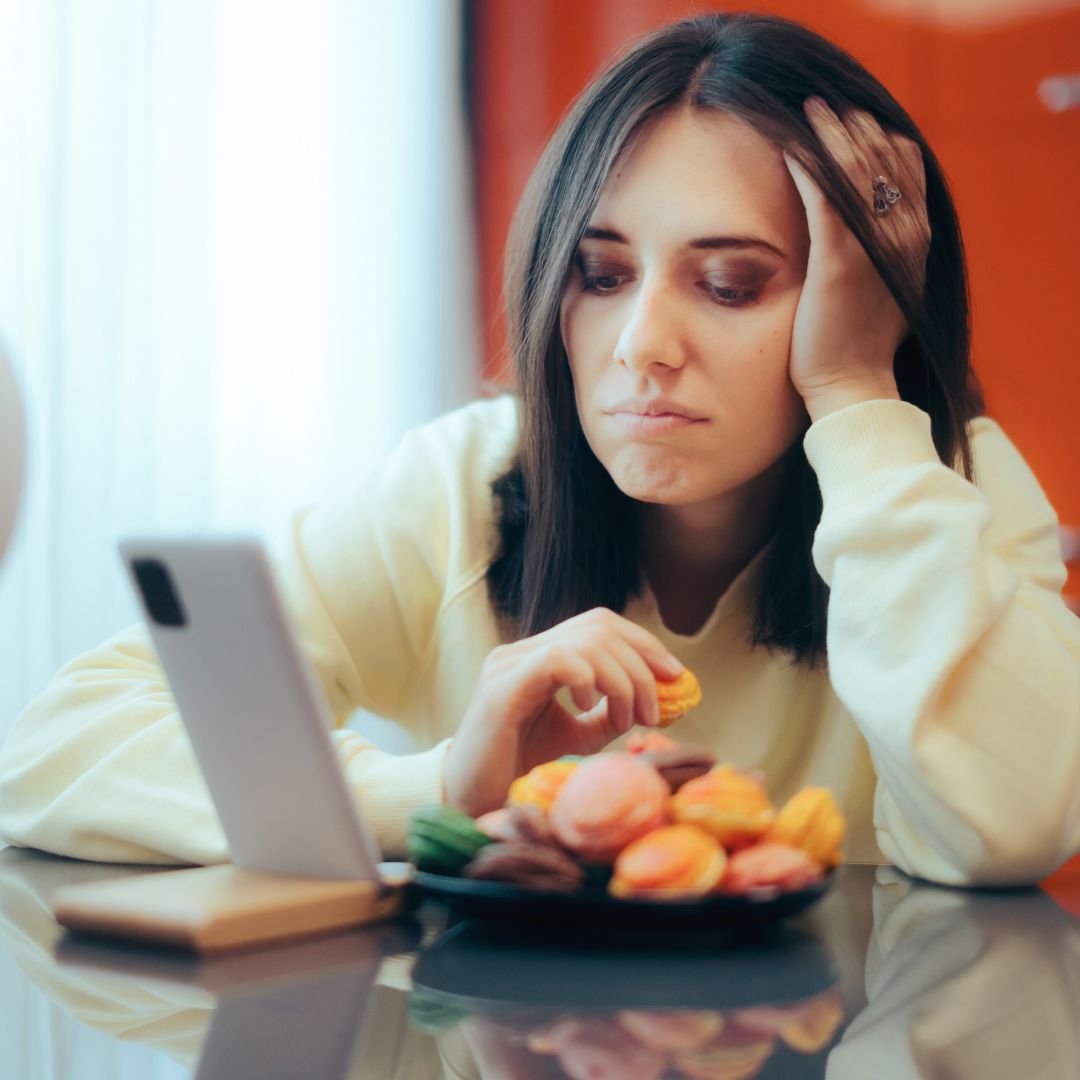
{"x":672,"y":862}
{"x":677,"y":696}
{"x":729,"y":803}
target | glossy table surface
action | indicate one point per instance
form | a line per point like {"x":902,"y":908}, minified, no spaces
{"x":885,"y":977}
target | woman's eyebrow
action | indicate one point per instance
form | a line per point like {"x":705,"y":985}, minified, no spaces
{"x":707,"y":243}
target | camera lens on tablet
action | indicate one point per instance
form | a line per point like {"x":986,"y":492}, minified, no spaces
{"x":158,"y":592}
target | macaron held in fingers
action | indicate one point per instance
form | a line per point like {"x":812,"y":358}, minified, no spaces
{"x":677,"y":696}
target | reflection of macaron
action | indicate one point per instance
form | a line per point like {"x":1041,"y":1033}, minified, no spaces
{"x":816,"y":1023}
{"x":598,"y":1047}
{"x":806,"y":1026}
{"x":730,"y":804}
{"x":672,"y":1030}
{"x":674,"y":862}
{"x":677,"y":696}
{"x":765,"y":866}
{"x":736,"y":1054}
{"x":532,"y":866}
{"x":609,"y":800}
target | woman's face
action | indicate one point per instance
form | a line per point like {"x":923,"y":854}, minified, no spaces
{"x":681,"y":304}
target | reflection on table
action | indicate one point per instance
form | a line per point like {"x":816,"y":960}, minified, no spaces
{"x":688,"y":1007}
{"x":980,"y":984}
{"x":886,"y":978}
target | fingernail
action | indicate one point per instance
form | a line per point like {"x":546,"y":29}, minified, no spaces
{"x":816,"y":102}
{"x":674,"y":663}
{"x":655,"y":713}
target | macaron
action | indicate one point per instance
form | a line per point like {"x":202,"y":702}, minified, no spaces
{"x":441,"y":840}
{"x":540,"y":784}
{"x":729,"y":803}
{"x":525,"y":822}
{"x":674,"y":862}
{"x":677,"y":696}
{"x":638,"y":742}
{"x":609,"y":800}
{"x":812,"y":821}
{"x":531,"y":866}
{"x":679,"y":764}
{"x":770,"y":866}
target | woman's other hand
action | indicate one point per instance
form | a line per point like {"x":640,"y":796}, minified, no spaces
{"x":847,"y":325}
{"x":514,"y":721}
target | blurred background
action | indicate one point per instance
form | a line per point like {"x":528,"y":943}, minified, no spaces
{"x":238,"y":263}
{"x":248,"y":243}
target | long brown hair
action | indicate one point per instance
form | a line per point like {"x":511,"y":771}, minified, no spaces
{"x":568,"y":537}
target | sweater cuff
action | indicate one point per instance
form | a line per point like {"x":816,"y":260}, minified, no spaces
{"x":854,"y":451}
{"x":390,"y":787}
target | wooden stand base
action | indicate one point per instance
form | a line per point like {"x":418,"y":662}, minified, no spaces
{"x":213,"y":908}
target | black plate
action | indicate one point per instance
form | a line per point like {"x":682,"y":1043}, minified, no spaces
{"x":495,"y":900}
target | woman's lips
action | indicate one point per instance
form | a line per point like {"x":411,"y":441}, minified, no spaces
{"x":640,"y":424}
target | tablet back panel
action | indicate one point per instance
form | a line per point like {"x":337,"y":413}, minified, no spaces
{"x":255,"y":713}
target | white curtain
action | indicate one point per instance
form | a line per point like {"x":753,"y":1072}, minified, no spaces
{"x":237,"y":265}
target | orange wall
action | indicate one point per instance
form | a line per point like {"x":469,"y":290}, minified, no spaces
{"x":1013,"y":167}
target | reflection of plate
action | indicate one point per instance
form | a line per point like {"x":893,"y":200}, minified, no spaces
{"x":592,"y":905}
{"x":483,"y":967}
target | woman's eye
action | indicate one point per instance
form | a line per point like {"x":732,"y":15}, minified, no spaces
{"x":601,"y":283}
{"x":727,"y":295}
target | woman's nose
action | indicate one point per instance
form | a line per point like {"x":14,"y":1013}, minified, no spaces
{"x":652,"y":333}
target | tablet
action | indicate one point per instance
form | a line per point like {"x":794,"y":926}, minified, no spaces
{"x":255,"y":713}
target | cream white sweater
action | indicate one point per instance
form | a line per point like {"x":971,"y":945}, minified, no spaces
{"x":947,"y":725}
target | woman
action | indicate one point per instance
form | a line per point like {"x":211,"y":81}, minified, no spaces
{"x":747,"y":438}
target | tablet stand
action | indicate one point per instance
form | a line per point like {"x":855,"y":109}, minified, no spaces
{"x":214,"y":908}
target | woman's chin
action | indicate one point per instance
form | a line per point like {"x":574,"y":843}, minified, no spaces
{"x":653,"y":487}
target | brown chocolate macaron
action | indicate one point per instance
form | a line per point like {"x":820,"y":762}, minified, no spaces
{"x":525,"y":822}
{"x":529,"y":865}
{"x":678,"y":764}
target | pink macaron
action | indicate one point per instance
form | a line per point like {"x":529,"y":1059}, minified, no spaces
{"x":608,"y":801}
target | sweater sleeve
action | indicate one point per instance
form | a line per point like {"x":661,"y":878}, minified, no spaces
{"x":950,"y":645}
{"x":99,"y":766}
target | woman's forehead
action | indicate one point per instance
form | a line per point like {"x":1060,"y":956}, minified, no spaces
{"x":695,"y":170}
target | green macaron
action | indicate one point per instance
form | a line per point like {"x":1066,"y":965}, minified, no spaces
{"x":441,"y":840}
